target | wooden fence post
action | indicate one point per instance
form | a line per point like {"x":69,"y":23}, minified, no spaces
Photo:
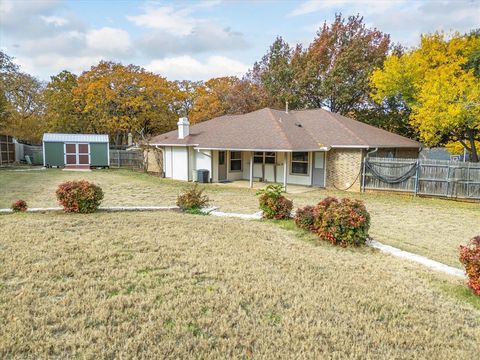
{"x":448,"y":179}
{"x":417,"y":176}
{"x":468,"y":179}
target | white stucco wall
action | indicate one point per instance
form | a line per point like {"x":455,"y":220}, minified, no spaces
{"x":167,"y":161}
{"x":203,"y":160}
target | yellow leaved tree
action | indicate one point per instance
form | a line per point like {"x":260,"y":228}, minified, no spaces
{"x":440,"y":84}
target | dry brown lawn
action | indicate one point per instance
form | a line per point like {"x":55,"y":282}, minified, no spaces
{"x":169,"y":285}
{"x":431,"y":227}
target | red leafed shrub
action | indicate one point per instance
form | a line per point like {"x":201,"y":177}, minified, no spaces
{"x":79,"y":196}
{"x":19,"y":205}
{"x":305,"y":217}
{"x":273,"y":204}
{"x":343,"y":223}
{"x":470,"y":258}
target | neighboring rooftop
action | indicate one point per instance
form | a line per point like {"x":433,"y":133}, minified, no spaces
{"x":53,"y":137}
{"x":268,"y":129}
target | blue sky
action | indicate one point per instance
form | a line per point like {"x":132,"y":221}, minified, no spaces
{"x":197,"y":39}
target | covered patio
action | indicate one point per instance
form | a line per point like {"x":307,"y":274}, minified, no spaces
{"x":273,"y":166}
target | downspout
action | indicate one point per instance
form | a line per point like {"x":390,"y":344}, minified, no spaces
{"x":364,"y":165}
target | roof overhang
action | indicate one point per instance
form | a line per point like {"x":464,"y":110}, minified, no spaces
{"x":392,"y":146}
{"x":258,"y":149}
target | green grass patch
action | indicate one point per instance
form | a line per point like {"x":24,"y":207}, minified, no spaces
{"x":462,"y":293}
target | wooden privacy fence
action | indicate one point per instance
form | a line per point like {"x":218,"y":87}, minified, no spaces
{"x":7,"y":150}
{"x":127,"y":158}
{"x":443,"y":178}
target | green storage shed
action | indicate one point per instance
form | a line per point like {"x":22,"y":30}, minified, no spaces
{"x":76,"y":150}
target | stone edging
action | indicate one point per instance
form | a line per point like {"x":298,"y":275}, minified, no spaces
{"x":102,"y":208}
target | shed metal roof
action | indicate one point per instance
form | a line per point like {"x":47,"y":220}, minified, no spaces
{"x":95,"y":138}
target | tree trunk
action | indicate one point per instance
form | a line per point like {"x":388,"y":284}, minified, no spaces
{"x":473,"y":147}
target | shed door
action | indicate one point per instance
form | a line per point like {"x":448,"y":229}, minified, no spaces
{"x":77,"y":154}
{"x":70,"y":154}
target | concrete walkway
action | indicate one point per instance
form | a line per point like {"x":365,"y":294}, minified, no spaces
{"x":432,"y":264}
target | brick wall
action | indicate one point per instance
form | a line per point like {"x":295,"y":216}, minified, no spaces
{"x":343,"y":168}
{"x":406,"y":153}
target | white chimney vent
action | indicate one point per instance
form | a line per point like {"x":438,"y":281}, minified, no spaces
{"x":183,"y":128}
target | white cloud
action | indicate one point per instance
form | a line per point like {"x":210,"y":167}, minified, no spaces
{"x":312,"y":6}
{"x":404,"y":20}
{"x":53,"y":63}
{"x":109,"y":40}
{"x":177,"y":22}
{"x":179,"y":30}
{"x":187,"y":67}
{"x":54,"y":20}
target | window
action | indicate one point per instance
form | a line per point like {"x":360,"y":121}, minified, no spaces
{"x":300,"y":163}
{"x":269,"y":158}
{"x":235,"y":161}
{"x":264,"y":157}
{"x":258,"y":157}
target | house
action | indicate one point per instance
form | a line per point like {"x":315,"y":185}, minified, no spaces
{"x":305,"y":147}
{"x":75,"y":150}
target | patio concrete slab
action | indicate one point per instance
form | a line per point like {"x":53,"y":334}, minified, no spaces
{"x":291,"y":189}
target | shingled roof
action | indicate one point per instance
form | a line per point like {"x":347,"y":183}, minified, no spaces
{"x":298,"y":130}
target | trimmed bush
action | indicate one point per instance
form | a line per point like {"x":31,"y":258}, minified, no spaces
{"x":343,"y":223}
{"x":79,"y":196}
{"x":470,"y":258}
{"x":19,"y":205}
{"x":273,"y":204}
{"x":192,"y":198}
{"x":305,"y":217}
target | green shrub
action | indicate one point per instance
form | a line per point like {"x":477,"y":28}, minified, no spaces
{"x":273,"y":204}
{"x":305,"y":217}
{"x":79,"y":196}
{"x":19,"y":205}
{"x":192,"y":198}
{"x":470,"y":258}
{"x":343,"y":223}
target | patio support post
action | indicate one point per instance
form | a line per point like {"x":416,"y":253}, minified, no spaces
{"x":251,"y":171}
{"x":285,"y":165}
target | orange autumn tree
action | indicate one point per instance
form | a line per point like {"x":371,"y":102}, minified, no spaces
{"x":119,"y":99}
{"x":225,"y":95}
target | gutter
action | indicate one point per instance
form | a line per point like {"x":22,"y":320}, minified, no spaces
{"x":324,"y":148}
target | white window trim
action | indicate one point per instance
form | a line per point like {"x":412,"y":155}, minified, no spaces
{"x":264,"y":156}
{"x":76,"y":153}
{"x":230,"y":161}
{"x":304,"y":162}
